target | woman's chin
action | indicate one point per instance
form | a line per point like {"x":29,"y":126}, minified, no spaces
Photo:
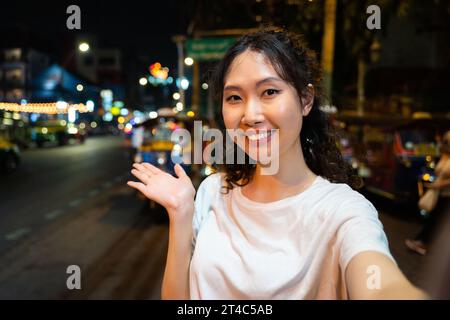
{"x":258,"y":154}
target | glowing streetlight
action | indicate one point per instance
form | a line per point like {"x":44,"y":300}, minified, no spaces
{"x":143,"y":81}
{"x":90,"y":105}
{"x":189,"y":61}
{"x":176,"y":96}
{"x":205,"y":86}
{"x":179,"y":106}
{"x":153,"y":114}
{"x":80,"y":87}
{"x":61,"y":105}
{"x":83,"y":47}
{"x":184,"y":84}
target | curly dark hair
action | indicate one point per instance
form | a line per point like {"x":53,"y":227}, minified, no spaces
{"x":296,"y":64}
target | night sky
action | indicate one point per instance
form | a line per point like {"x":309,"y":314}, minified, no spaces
{"x":141,"y":29}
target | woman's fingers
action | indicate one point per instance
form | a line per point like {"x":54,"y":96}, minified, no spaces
{"x":179,"y":171}
{"x":151,"y":167}
{"x":137,"y":185}
{"x":141,"y":176}
{"x":141,"y":167}
{"x":147,"y":168}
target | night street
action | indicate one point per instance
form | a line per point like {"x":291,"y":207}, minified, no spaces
{"x":317,"y":114}
{"x":79,"y":211}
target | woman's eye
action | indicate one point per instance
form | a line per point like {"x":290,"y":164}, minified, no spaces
{"x":233,"y":98}
{"x":271,"y":92}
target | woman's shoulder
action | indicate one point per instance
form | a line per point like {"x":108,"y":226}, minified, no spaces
{"x":211,"y":184}
{"x":206,"y":197}
{"x":342,"y":197}
{"x":214,"y":179}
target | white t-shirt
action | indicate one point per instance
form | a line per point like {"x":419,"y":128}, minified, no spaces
{"x":294,"y":248}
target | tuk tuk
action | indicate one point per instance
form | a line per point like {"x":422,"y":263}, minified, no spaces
{"x":56,"y":131}
{"x":157,"y":147}
{"x":394,"y":156}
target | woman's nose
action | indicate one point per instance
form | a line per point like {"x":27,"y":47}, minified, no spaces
{"x":253,"y":113}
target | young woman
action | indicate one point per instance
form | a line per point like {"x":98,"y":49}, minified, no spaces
{"x":301,"y":233}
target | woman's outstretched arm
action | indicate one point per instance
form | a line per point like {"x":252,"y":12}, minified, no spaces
{"x":177,"y":196}
{"x":373,"y":276}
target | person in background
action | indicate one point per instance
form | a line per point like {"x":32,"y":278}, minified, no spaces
{"x":136,"y":142}
{"x":423,"y":240}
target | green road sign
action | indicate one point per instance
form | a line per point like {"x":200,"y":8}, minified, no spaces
{"x":208,"y":49}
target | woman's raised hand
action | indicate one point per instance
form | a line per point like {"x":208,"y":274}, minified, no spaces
{"x":175,"y":194}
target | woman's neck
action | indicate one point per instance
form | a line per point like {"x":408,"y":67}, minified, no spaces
{"x":293,"y":177}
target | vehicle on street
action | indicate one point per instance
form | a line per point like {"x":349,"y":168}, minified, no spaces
{"x":394,"y":156}
{"x":57,"y":131}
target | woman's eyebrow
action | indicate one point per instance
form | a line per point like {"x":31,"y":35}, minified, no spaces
{"x":258,"y":84}
{"x":232,"y":87}
{"x":269,"y":79}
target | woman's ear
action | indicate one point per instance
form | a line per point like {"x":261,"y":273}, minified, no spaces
{"x":307,"y":99}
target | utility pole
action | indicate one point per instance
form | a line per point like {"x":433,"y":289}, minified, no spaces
{"x":179,"y":40}
{"x":328,"y":46}
{"x":360,"y":85}
{"x":196,"y":87}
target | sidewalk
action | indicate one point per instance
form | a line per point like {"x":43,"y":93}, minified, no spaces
{"x":412,"y":264}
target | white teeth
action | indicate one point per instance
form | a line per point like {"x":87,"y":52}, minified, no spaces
{"x":255,"y":137}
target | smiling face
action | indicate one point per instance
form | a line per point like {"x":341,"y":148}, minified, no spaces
{"x":256,"y":99}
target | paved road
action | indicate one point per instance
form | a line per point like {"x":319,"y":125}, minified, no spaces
{"x":53,"y":181}
{"x":71,"y":206}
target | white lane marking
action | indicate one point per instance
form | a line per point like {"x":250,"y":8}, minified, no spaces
{"x":52,"y":215}
{"x":16,"y":234}
{"x":75,"y":202}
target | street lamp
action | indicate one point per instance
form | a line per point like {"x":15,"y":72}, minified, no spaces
{"x":184,"y":83}
{"x":179,"y":40}
{"x":189,"y":61}
{"x":83,"y":47}
{"x":143,"y":81}
{"x":153,"y":114}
